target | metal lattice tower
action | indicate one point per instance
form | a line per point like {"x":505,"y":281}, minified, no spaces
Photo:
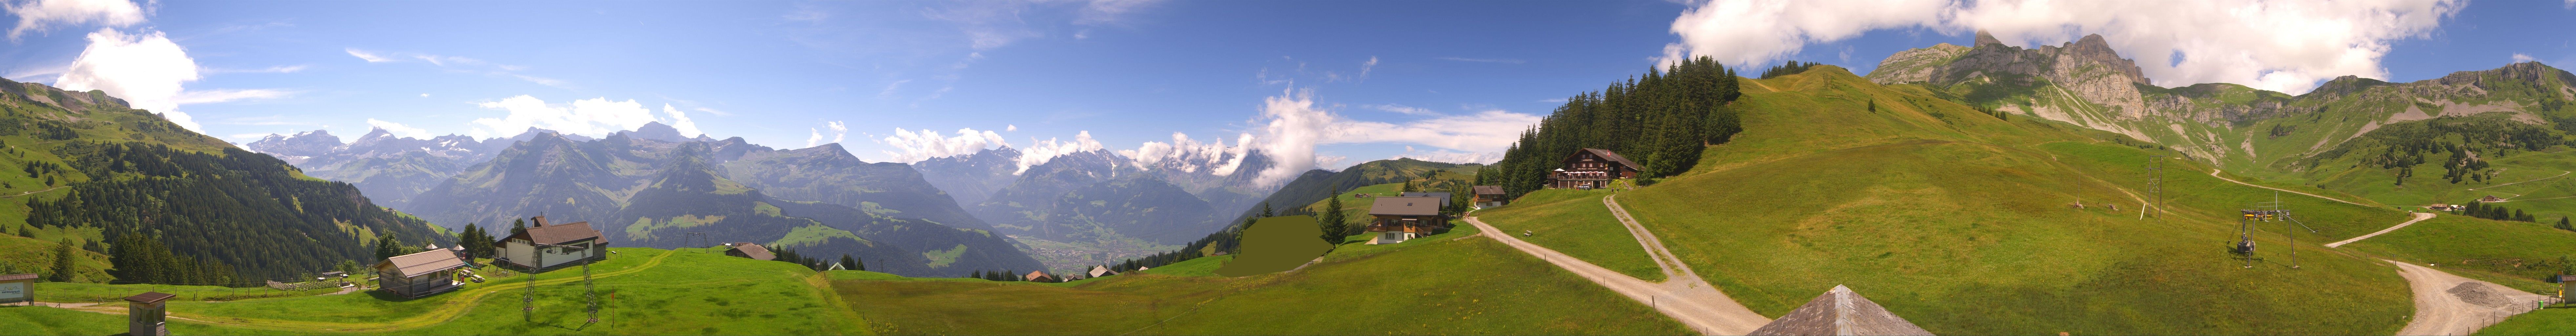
{"x":591,"y":291}
{"x":2155,"y":188}
{"x":528,"y":302}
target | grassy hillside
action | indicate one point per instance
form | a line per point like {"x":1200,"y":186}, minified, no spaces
{"x":1958,"y":220}
{"x":2554,"y":321}
{"x":1575,"y":222}
{"x":644,"y":291}
{"x":1444,"y":284}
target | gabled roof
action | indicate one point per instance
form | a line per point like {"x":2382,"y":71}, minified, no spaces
{"x":1406,"y":206}
{"x":1034,"y":275}
{"x":1840,"y":312}
{"x":755,"y":251}
{"x":1607,"y":155}
{"x":1099,"y":271}
{"x":1487,"y":190}
{"x":425,"y":262}
{"x":556,"y":234}
{"x":149,"y":297}
{"x":17,"y":277}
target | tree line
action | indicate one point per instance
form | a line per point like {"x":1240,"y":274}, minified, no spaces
{"x":1662,"y":121}
{"x":2498,"y":212}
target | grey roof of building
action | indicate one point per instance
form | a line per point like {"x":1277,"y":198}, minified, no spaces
{"x":149,"y":297}
{"x":1840,"y":312}
{"x":425,"y":262}
{"x":1406,"y":206}
{"x":17,"y":277}
{"x":755,"y":251}
{"x":1614,"y":157}
{"x":1487,"y":190}
{"x":557,"y":234}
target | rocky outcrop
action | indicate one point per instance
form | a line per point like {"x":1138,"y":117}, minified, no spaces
{"x":2087,"y":67}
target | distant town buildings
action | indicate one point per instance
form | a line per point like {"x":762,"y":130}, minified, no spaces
{"x":1591,"y":168}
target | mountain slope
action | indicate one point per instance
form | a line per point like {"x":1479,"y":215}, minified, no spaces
{"x":688,"y":197}
{"x":97,"y":171}
{"x":1958,"y":221}
{"x":830,"y":174}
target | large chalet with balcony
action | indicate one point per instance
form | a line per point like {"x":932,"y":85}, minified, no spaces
{"x":1591,"y":169}
{"x":1396,"y":219}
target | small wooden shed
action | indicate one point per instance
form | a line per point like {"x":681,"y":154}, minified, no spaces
{"x":750,"y":250}
{"x":16,"y":288}
{"x":144,"y":313}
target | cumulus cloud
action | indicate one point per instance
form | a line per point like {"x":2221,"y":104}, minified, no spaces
{"x":680,"y":120}
{"x":42,"y":15}
{"x":1292,"y":125}
{"x":2521,"y":57}
{"x":2175,"y":42}
{"x":839,"y":131}
{"x":914,"y":146}
{"x":144,"y":69}
{"x":1449,"y":156}
{"x":398,"y":129}
{"x":1190,"y":155}
{"x":1041,"y":151}
{"x":593,"y":117}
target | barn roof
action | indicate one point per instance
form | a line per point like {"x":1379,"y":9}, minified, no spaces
{"x":1488,"y":190}
{"x":556,"y":234}
{"x":425,"y":262}
{"x":17,"y":277}
{"x":149,"y":297}
{"x":755,"y":251}
{"x":1608,"y":155}
{"x":1034,"y":275}
{"x":1840,"y":312}
{"x":1406,"y":206}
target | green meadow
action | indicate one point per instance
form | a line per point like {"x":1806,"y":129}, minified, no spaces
{"x":1575,"y":222}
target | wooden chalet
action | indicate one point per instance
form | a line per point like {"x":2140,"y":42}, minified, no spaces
{"x":750,"y":250}
{"x":145,"y":314}
{"x":546,"y":246}
{"x":420,"y":274}
{"x":1840,"y":312}
{"x":1101,"y":271}
{"x":1038,"y":276}
{"x":1488,"y":196}
{"x":1591,"y":169}
{"x":1396,"y":219}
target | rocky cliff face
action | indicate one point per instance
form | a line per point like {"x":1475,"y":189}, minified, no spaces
{"x":2087,"y":66}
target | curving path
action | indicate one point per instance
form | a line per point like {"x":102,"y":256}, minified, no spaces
{"x":1684,"y":296}
{"x":2214,"y":173}
{"x":2419,"y":216}
{"x":2440,"y":312}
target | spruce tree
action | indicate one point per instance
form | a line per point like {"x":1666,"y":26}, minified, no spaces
{"x":847,"y":262}
{"x":387,"y":246}
{"x":1331,"y":220}
{"x":62,"y":262}
{"x":2564,"y":225}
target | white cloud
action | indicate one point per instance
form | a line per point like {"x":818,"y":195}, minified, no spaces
{"x":1190,"y":155}
{"x":424,"y":95}
{"x":1041,"y":151}
{"x":914,"y":146}
{"x":1484,"y":60}
{"x":1291,"y":126}
{"x":593,"y":117}
{"x":369,"y":56}
{"x":144,"y":69}
{"x":41,"y":15}
{"x":1366,"y":66}
{"x":839,"y":131}
{"x":398,"y":129}
{"x":719,"y":113}
{"x":1010,"y":128}
{"x":2175,"y":42}
{"x":680,"y":120}
{"x":817,"y":139}
{"x":1449,"y":156}
{"x":225,"y":95}
{"x":1403,"y":109}
{"x":2520,"y":57}
{"x":539,"y":80}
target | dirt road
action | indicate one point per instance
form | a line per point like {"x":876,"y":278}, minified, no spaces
{"x":2419,"y":216}
{"x":2214,"y":173}
{"x":2448,"y":304}
{"x":1683,"y":296}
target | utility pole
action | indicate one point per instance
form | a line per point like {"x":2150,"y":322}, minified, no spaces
{"x":2155,"y":187}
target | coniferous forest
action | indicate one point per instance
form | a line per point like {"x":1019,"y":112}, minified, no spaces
{"x":231,"y":219}
{"x":1661,"y":121}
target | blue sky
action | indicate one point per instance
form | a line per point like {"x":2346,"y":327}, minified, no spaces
{"x":1343,"y":82}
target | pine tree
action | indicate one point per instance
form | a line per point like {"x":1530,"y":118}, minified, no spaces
{"x":387,"y":246}
{"x":62,"y":262}
{"x":518,"y":226}
{"x":852,"y":264}
{"x":2564,"y":225}
{"x":1331,"y":220}
{"x":978,"y":274}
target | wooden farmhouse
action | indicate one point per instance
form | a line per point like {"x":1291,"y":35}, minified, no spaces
{"x":1591,"y":169}
{"x":1488,"y":196}
{"x":1038,"y":276}
{"x":1101,"y":271}
{"x":546,"y":246}
{"x":1396,"y":219}
{"x":750,"y":250}
{"x":420,"y":274}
